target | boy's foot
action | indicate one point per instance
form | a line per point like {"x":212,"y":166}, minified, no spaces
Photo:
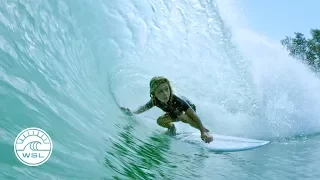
{"x":172,"y":130}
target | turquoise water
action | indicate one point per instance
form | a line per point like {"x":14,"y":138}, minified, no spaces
{"x":66,"y":64}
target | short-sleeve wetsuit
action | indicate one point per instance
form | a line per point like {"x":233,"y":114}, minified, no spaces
{"x":178,"y":106}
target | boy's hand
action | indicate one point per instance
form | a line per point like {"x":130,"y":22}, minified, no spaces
{"x":206,"y":137}
{"x":127,"y":111}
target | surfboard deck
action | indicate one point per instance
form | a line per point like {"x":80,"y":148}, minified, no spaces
{"x":222,"y":143}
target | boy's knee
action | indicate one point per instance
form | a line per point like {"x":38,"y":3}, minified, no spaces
{"x":193,"y":107}
{"x":164,"y":120}
{"x":160,"y":121}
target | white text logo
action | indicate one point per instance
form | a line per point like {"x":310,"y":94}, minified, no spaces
{"x":33,"y":146}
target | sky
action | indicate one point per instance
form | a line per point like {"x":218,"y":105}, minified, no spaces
{"x":279,"y":18}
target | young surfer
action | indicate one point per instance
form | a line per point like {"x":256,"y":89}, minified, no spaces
{"x":176,"y":108}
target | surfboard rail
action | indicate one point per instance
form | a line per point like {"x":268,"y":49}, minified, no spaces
{"x":223,"y":143}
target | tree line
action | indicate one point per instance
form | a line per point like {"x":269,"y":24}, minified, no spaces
{"x":306,"y":50}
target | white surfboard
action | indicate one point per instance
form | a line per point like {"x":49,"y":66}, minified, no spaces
{"x":222,"y":143}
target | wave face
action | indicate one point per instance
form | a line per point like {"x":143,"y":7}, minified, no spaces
{"x":65,"y":65}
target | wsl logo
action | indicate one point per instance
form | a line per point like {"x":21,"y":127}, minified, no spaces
{"x":33,"y":146}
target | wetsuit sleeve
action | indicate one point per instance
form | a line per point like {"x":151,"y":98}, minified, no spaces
{"x":144,"y":108}
{"x":149,"y":104}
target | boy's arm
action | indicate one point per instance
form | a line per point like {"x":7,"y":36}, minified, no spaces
{"x":141,"y":109}
{"x":196,"y":119}
{"x":204,"y":136}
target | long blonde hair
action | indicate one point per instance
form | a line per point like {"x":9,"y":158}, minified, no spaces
{"x":154,"y":84}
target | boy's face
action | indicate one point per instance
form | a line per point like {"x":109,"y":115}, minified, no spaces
{"x":163,"y":92}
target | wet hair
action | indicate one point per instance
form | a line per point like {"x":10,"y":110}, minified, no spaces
{"x":154,"y":84}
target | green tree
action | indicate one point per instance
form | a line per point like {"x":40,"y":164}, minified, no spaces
{"x":307,"y":50}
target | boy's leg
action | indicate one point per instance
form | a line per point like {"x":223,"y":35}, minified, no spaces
{"x":186,"y":119}
{"x":167,"y":122}
{"x":193,"y":107}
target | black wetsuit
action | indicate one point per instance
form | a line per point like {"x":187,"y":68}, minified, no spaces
{"x":178,"y":106}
